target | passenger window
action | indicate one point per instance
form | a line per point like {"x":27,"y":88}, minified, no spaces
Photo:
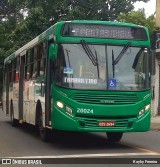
{"x":35,"y":55}
{"x":35,"y":62}
{"x":12,"y":71}
{"x":41,"y":60}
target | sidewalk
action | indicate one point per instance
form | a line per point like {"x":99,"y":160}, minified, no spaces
{"x":155,"y":123}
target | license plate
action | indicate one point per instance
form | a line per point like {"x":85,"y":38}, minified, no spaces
{"x":106,"y":123}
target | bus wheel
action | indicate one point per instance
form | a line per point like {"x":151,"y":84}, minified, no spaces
{"x":13,"y":120}
{"x":42,"y":130}
{"x":114,"y":137}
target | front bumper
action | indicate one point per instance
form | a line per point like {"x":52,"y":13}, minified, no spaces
{"x":62,"y":121}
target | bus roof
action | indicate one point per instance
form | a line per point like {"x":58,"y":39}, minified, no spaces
{"x":103,"y":22}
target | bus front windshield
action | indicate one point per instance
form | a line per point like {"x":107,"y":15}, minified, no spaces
{"x":102,"y":67}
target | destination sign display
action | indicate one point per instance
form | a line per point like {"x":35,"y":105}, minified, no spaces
{"x":104,"y":31}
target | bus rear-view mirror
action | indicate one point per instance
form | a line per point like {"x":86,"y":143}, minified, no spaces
{"x":53,"y":51}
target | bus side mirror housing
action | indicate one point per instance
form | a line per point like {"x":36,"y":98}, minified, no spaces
{"x":53,"y":48}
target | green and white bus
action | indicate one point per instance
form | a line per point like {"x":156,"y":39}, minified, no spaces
{"x":84,"y":76}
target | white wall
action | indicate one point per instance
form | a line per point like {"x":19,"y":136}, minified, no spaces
{"x":155,"y":83}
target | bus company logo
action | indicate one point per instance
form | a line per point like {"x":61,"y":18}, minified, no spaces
{"x":6,"y":161}
{"x":107,"y":101}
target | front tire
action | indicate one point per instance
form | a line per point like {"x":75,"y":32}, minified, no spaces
{"x":114,"y":137}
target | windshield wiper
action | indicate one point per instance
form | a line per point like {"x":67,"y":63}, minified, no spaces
{"x":90,"y":54}
{"x":97,"y":63}
{"x":125,"y":48}
{"x":113,"y":66}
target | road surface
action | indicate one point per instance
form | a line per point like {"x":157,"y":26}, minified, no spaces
{"x":23,"y":142}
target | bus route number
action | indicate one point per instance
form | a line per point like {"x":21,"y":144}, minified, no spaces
{"x":84,"y":111}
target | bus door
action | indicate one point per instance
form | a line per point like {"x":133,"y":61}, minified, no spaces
{"x":48,"y":92}
{"x":21,"y":85}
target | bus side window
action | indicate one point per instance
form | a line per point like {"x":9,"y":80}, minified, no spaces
{"x":34,"y":62}
{"x":59,"y":66}
{"x":14,"y":65}
{"x":27,"y":65}
{"x":10,"y":72}
{"x":31,"y":62}
{"x":17,"y":75}
{"x":41,"y":60}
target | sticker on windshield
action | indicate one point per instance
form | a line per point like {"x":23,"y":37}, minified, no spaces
{"x":80,"y":80}
{"x":112,"y":83}
{"x":68,"y":70}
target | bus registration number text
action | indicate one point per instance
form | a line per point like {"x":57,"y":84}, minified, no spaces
{"x":84,"y":111}
{"x":106,"y":123}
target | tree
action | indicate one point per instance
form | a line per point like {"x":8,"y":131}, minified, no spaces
{"x":11,"y":13}
{"x":139,"y":17}
{"x":42,"y":14}
{"x":12,"y":9}
{"x":54,"y":10}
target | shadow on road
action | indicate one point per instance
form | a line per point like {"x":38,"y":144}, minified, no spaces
{"x":79,"y":140}
{"x":71,"y":140}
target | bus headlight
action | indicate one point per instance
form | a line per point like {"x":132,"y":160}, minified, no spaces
{"x":147,"y":107}
{"x":59,"y":104}
{"x":141,"y":112}
{"x":65,"y":108}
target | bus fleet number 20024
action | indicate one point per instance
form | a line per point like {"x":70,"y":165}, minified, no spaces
{"x":84,"y":111}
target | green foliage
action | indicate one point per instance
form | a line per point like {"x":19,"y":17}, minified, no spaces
{"x":139,"y":17}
